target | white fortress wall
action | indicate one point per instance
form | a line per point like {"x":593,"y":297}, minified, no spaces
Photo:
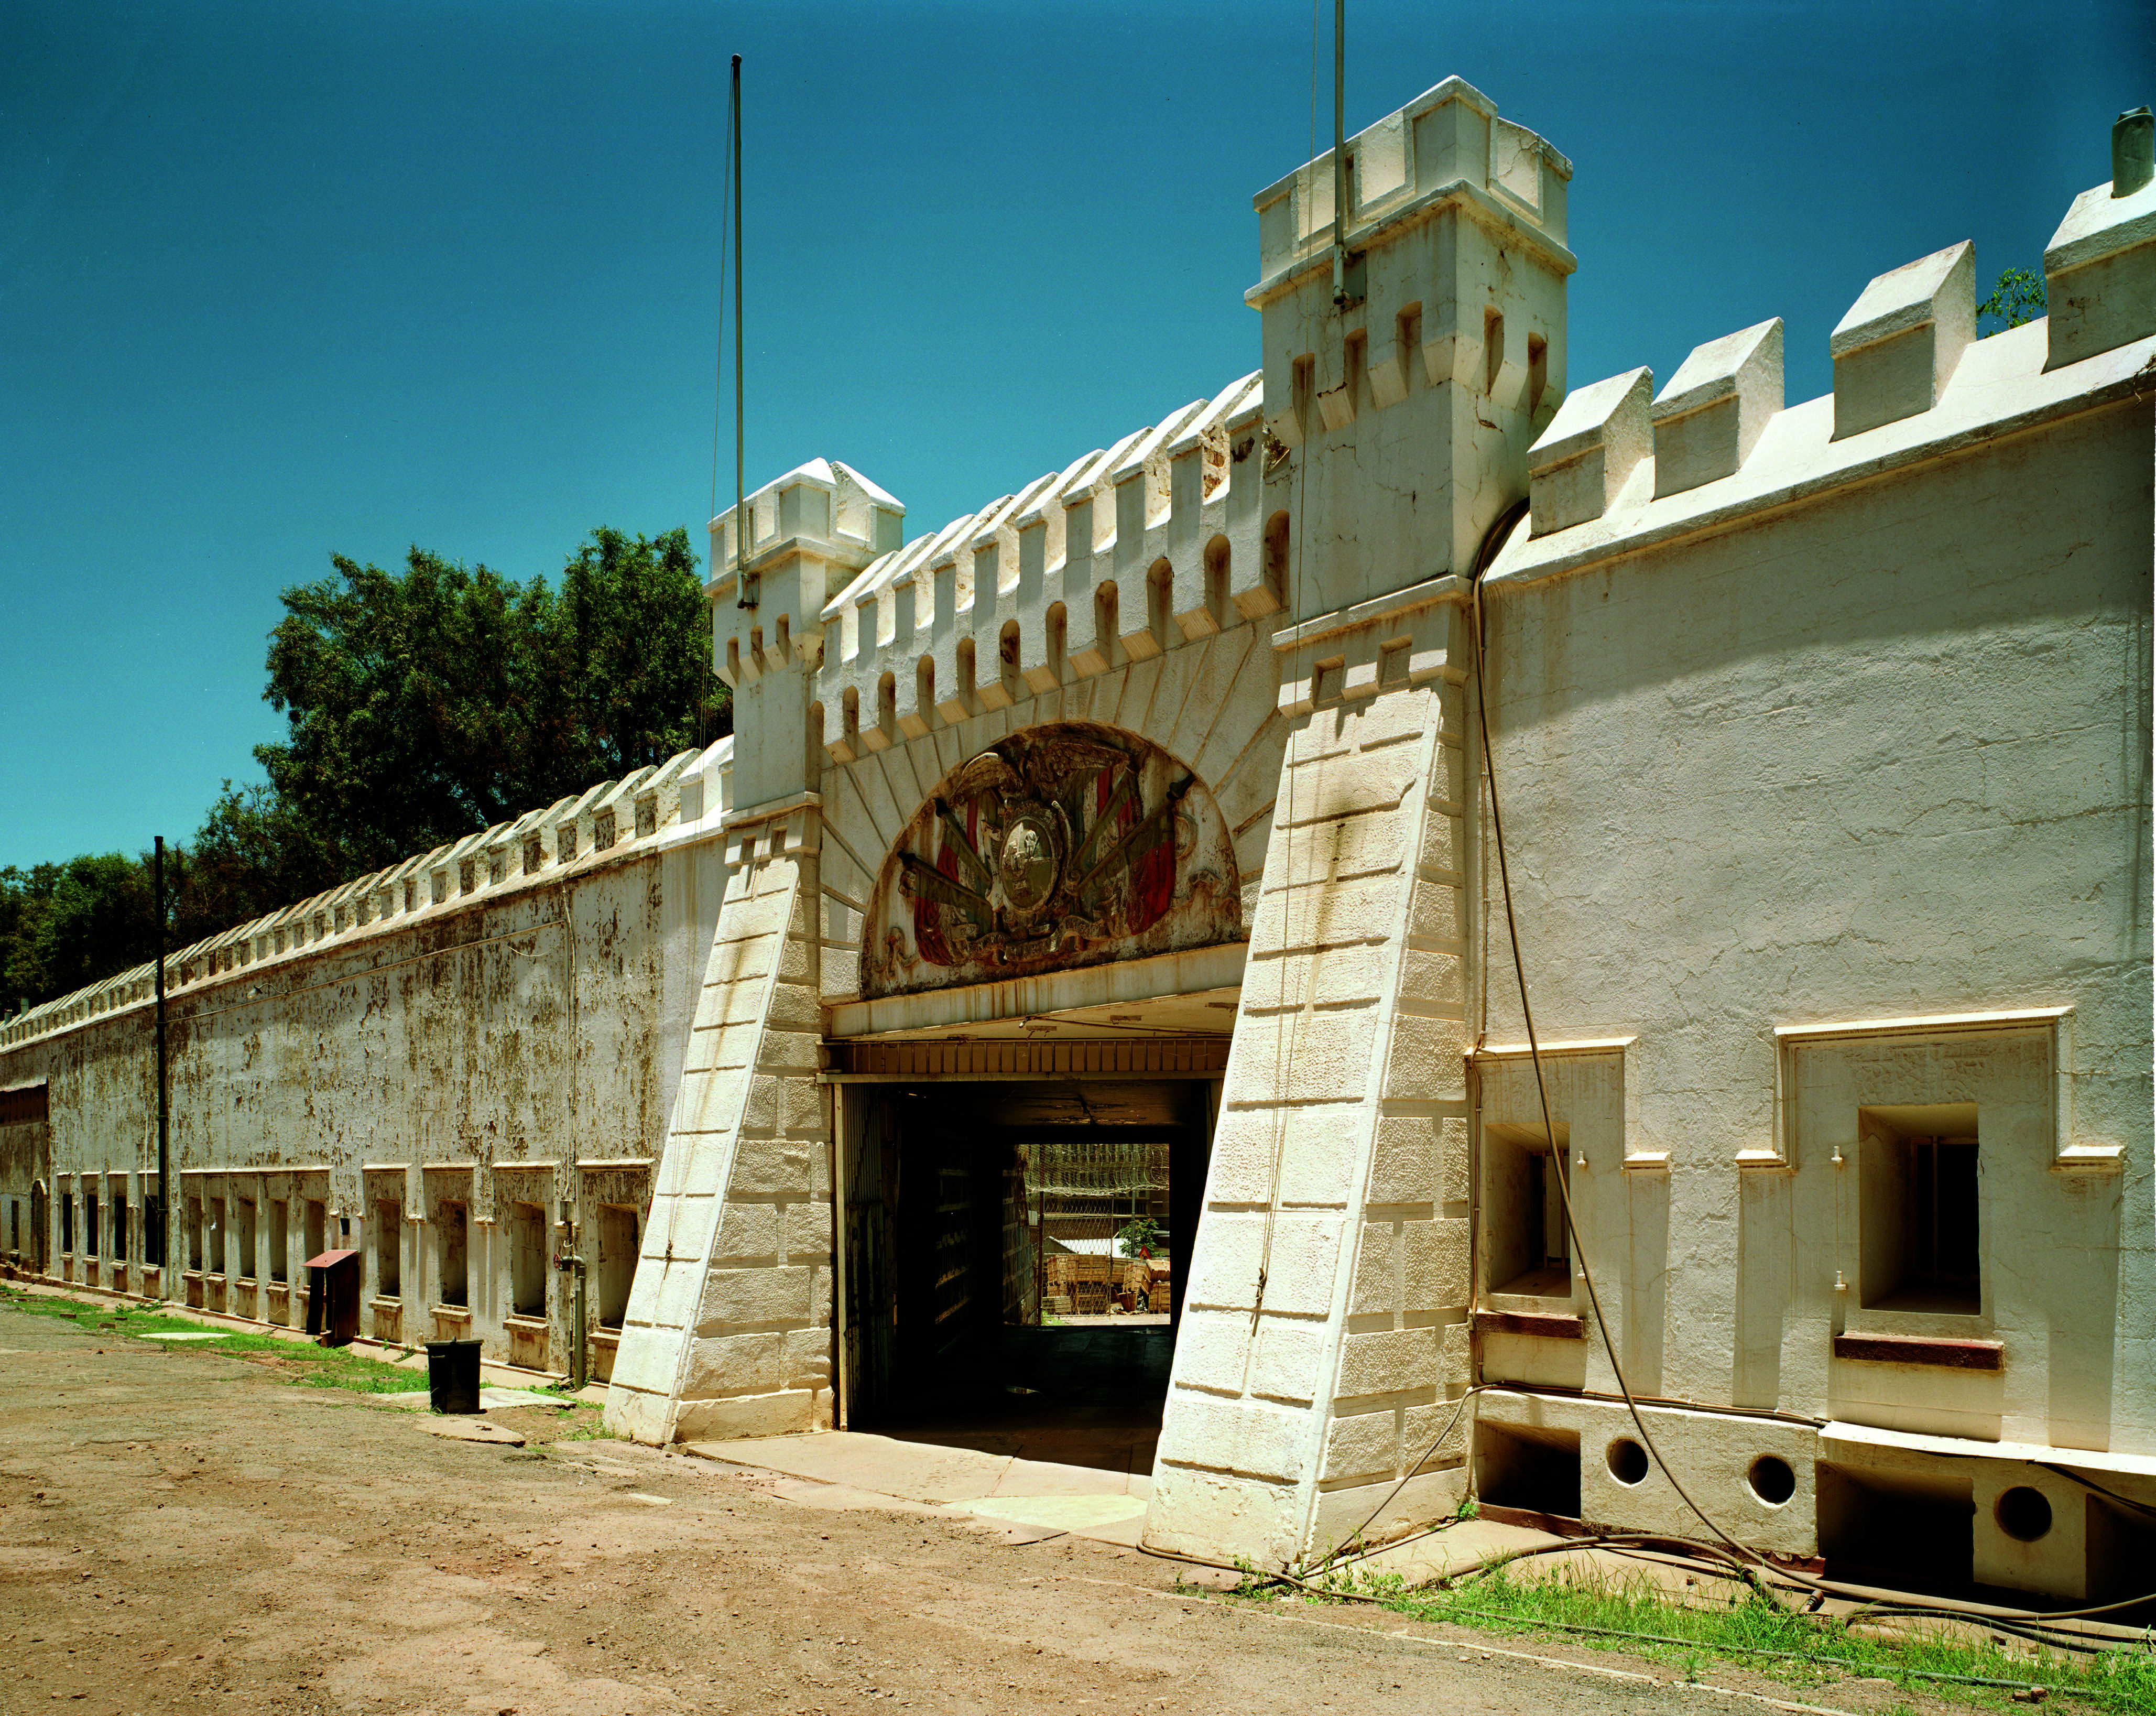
{"x":1822,"y":736}
{"x":498,"y":1022}
{"x":1822,"y":741}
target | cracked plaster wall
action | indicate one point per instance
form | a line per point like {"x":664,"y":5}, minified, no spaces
{"x":1880,"y":756}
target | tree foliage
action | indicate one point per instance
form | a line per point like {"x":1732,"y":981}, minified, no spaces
{"x":2017,"y":298}
{"x":64,"y":926}
{"x":420,"y":705}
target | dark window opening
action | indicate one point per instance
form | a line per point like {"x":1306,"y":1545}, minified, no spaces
{"x":388,"y":1249}
{"x":617,"y":1262}
{"x":1920,"y":1222}
{"x":1530,"y":1251}
{"x":455,"y":1275}
{"x":527,"y":1259}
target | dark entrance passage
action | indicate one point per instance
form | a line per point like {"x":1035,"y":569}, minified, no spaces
{"x":1012,"y":1275}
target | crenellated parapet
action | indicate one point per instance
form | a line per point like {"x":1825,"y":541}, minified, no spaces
{"x":1910,"y":376}
{"x":1133,"y":550}
{"x":603,"y":825}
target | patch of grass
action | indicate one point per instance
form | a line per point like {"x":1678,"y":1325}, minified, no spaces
{"x":1637,"y":1617}
{"x":594,"y":1431}
{"x":296,"y":1361}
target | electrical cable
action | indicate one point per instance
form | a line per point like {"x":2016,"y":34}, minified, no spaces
{"x":1498,"y":536}
{"x":2090,"y":1483}
{"x":1624,"y":1543}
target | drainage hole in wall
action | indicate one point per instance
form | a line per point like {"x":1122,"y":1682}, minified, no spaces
{"x":1771,"y":1479}
{"x":1628,"y":1460}
{"x":2024,"y":1513}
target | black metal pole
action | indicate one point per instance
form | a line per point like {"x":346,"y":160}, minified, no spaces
{"x":1340,"y":157}
{"x":744,"y":596}
{"x":164,"y":1110}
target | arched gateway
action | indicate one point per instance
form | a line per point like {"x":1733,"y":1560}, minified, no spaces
{"x":1108,"y":836}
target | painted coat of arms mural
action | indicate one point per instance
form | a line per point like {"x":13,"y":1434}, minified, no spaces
{"x":1062,"y":846}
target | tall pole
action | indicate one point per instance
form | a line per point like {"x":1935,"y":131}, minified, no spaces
{"x":1339,"y":153}
{"x":744,"y":596}
{"x":164,"y":1108}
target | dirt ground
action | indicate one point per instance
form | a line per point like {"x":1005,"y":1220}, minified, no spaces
{"x":183,"y":1530}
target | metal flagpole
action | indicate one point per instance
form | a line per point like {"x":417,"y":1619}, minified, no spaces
{"x":164,"y":1222}
{"x":744,"y":596}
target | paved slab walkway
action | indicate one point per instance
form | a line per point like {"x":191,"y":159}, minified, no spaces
{"x":1086,"y":1501}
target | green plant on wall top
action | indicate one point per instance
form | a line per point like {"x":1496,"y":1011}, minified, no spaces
{"x":2018,"y":297}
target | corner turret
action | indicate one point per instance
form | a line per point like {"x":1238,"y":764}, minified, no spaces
{"x":1408,"y":408}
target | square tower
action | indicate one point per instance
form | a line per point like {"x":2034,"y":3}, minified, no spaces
{"x":1409,"y":406}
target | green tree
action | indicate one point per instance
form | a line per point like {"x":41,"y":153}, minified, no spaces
{"x":424,"y":705}
{"x":419,"y":706}
{"x":630,"y":648}
{"x":2017,"y":298}
{"x":64,"y":926}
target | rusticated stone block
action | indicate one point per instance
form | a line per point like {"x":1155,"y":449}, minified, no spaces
{"x":772,"y":1167}
{"x":737,"y":1364}
{"x":747,"y":1233}
{"x":806,"y":1229}
{"x":1438,"y":912}
{"x":787,"y":1413}
{"x":1429,"y":1059}
{"x":1403,"y":1169}
{"x":1248,"y":1436}
{"x":1388,"y":1361}
{"x":771,"y":1295}
{"x":1361,"y":1444}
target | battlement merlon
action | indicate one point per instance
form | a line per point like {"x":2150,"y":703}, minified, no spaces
{"x":1134,"y":549}
{"x":804,"y":537}
{"x":821,"y":517}
{"x":1448,"y":144}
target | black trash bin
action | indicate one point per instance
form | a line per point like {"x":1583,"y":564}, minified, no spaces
{"x":452,"y":1375}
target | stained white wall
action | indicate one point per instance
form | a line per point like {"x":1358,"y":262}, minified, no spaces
{"x":1875,"y":753}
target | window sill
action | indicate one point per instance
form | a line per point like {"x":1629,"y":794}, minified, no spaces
{"x":525,"y":1323}
{"x":1921,"y":1349}
{"x":1536,"y":1290}
{"x":1559,"y":1325}
{"x":387,"y":1301}
{"x":453,"y":1314}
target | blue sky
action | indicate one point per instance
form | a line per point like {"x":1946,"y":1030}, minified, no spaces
{"x":278,"y":280}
